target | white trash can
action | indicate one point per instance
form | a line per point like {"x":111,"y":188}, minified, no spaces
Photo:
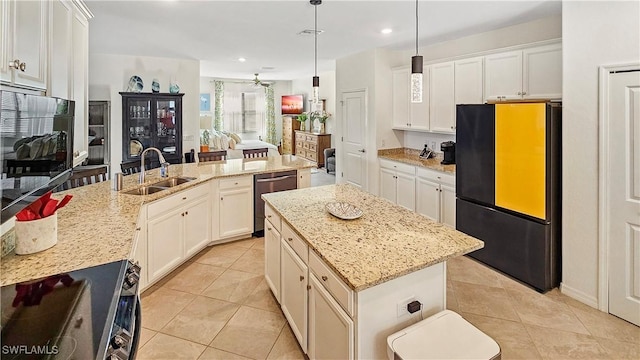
{"x":445,"y":335}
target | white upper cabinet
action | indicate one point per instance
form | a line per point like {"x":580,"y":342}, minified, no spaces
{"x":542,"y":75}
{"x":408,"y":115}
{"x":533,"y":73}
{"x":24,"y":45}
{"x":60,"y":50}
{"x":469,"y":81}
{"x":443,"y":108}
{"x":503,"y":76}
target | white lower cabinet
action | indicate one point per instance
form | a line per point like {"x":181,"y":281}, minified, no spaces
{"x":178,"y":226}
{"x":272,"y":258}
{"x":331,"y":330}
{"x":398,"y":183}
{"x":436,"y":196}
{"x":236,"y":206}
{"x":304,"y":178}
{"x":294,"y":293}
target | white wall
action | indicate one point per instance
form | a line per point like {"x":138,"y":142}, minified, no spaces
{"x":109,"y":74}
{"x":593,"y":34}
{"x":327,"y":91}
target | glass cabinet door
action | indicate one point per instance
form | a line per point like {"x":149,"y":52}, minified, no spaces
{"x":141,"y":128}
{"x":166,"y":129}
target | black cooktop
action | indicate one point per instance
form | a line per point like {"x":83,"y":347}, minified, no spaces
{"x":61,"y":316}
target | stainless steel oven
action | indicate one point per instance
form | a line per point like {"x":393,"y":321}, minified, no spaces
{"x":93,"y":313}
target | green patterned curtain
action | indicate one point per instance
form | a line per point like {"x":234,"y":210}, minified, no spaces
{"x":219,"y":105}
{"x":271,"y":116}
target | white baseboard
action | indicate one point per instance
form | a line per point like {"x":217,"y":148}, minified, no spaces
{"x":579,"y":295}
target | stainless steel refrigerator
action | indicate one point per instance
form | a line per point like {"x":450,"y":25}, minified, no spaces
{"x":508,"y":187}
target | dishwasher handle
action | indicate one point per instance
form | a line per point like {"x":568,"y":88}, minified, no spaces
{"x":276,"y":179}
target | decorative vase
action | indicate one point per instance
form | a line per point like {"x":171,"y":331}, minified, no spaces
{"x":155,"y":86}
{"x":174,"y":88}
{"x":322,"y":128}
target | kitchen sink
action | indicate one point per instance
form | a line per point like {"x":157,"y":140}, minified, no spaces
{"x":159,"y":186}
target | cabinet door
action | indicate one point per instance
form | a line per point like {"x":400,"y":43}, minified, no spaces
{"x":30,"y":42}
{"x":448,"y":205}
{"x":542,"y":72}
{"x":197,"y":222}
{"x":503,"y":76}
{"x":443,"y":107}
{"x":428,"y":198}
{"x":80,"y":71}
{"x":236,"y":212}
{"x":406,"y":190}
{"x":469,"y":81}
{"x":165,"y":243}
{"x":419,"y":112}
{"x":272,"y":258}
{"x":60,"y":57}
{"x":140,"y":254}
{"x":6,"y":40}
{"x":304,"y":178}
{"x":330,"y":328}
{"x":400,"y":98}
{"x":388,"y":184}
{"x":293,"y":296}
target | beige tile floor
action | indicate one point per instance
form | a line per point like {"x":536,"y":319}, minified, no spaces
{"x":218,"y":306}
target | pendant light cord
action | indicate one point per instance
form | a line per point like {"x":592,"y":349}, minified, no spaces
{"x":315,"y":35}
{"x":416,"y":27}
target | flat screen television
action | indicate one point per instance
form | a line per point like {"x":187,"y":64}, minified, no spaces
{"x":292,"y":104}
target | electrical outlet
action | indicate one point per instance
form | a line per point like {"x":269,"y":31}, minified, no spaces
{"x":187,"y":137}
{"x":433,"y":146}
{"x":402,"y":306}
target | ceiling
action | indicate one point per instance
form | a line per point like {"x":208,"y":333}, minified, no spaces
{"x":266,"y":32}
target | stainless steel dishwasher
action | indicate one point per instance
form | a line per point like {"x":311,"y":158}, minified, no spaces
{"x":268,"y":183}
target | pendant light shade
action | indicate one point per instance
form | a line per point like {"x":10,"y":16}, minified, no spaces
{"x":316,"y":79}
{"x":416,"y":70}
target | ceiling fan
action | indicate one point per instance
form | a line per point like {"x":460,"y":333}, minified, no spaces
{"x":257,"y":82}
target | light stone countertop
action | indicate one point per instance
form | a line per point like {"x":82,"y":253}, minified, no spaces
{"x":387,"y":242}
{"x":99,"y":224}
{"x":412,"y":157}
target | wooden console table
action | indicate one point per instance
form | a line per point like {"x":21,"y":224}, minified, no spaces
{"x":311,"y":146}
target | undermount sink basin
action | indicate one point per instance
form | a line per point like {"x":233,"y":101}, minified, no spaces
{"x":159,"y":186}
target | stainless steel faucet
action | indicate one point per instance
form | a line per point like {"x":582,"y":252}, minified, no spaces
{"x":164,"y":165}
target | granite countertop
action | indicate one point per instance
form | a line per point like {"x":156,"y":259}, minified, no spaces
{"x":98,"y":225}
{"x":387,"y":242}
{"x":412,"y":157}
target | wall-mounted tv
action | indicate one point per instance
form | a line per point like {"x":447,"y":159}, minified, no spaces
{"x":292,"y":104}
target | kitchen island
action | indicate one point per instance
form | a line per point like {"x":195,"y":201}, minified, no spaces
{"x":101,"y":225}
{"x":349,"y":281}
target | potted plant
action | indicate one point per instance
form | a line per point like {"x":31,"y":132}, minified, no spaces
{"x":322,"y":117}
{"x":204,"y":141}
{"x":302,"y":118}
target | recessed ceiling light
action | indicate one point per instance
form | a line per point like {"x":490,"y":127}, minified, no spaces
{"x":242,"y":59}
{"x":386,"y":31}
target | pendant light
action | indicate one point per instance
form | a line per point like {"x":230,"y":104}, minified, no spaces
{"x":316,"y":79}
{"x":416,"y":70}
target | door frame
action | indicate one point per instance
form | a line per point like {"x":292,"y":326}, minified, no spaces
{"x":604,"y":179}
{"x":365,"y":144}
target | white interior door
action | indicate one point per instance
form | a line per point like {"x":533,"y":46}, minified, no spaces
{"x":623,"y":204}
{"x":354,"y":121}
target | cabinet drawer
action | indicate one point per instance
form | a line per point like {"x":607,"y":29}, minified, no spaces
{"x":311,"y":138}
{"x":273,"y":218}
{"x":313,"y":147}
{"x":340,"y":291}
{"x":176,"y":200}
{"x":312,"y":156}
{"x":299,"y":246}
{"x":437,"y":176}
{"x":236,"y":182}
{"x":393,"y":165}
{"x":300,"y":137}
{"x":305,"y":145}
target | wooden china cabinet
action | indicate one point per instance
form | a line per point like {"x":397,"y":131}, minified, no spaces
{"x":152,"y":120}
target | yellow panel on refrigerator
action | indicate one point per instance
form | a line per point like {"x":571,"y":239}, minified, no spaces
{"x":520,"y":158}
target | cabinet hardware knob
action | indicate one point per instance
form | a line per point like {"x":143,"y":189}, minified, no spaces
{"x":138,"y":228}
{"x":436,"y":189}
{"x":184,"y":198}
{"x":182,"y":214}
{"x":524,"y":93}
{"x":269,"y":228}
{"x":290,"y":239}
{"x":301,"y":277}
{"x":15,"y":64}
{"x":519,"y":92}
{"x":308,"y":287}
{"x":221,"y":198}
{"x":269,"y":216}
{"x":236,"y":183}
{"x":324,"y":278}
{"x":186,"y":213}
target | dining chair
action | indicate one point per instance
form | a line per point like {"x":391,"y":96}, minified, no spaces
{"x":255,"y":153}
{"x":212,"y":155}
{"x":133,"y":166}
{"x":82,"y":177}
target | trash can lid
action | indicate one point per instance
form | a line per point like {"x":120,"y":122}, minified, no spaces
{"x":445,"y":335}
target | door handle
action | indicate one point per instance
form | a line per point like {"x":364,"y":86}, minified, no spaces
{"x":324,"y":278}
{"x":301,"y":277}
{"x":361,"y":150}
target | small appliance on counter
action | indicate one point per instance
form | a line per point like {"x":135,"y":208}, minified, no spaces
{"x":426,"y":153}
{"x":449,"y":150}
